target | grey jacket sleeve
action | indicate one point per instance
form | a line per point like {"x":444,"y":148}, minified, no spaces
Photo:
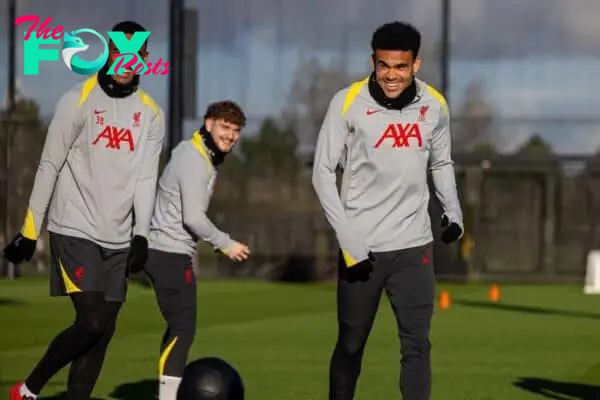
{"x":442,"y":168}
{"x":194,"y":199}
{"x":145,"y":189}
{"x":329,"y":149}
{"x":62,"y":132}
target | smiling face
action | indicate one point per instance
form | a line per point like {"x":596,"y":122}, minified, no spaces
{"x":224,"y":120}
{"x":225,"y":134}
{"x":394,"y":70}
{"x":127,"y":76}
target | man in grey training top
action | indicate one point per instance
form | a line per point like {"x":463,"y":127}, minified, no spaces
{"x":95,"y":183}
{"x":178,"y":223}
{"x":385,"y":132}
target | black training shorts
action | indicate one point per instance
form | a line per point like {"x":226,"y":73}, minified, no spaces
{"x":173,"y":279}
{"x":80,"y":265}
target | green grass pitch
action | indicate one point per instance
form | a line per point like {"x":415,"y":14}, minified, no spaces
{"x":537,"y":342}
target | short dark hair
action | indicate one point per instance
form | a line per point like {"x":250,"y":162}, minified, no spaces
{"x":228,"y":111}
{"x":130,"y":27}
{"x":397,"y":36}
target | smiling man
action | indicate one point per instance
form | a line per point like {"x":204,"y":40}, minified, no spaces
{"x":95,"y":184}
{"x":184,"y":192}
{"x":385,"y":132}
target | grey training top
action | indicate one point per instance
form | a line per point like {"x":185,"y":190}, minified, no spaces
{"x":385,"y":154}
{"x":184,"y":192}
{"x":97,"y":174}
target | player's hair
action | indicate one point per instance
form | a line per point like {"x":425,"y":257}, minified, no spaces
{"x":130,"y":27}
{"x":397,"y":36}
{"x":226,"y":110}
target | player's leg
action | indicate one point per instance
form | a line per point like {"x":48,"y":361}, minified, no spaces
{"x":85,"y":370}
{"x":357,"y":304}
{"x":411,"y":291}
{"x":75,"y":273}
{"x":173,"y":280}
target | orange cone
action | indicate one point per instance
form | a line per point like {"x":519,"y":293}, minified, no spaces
{"x":494,"y":293}
{"x":445,"y":301}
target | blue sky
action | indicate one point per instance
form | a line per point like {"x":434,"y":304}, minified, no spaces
{"x":532,"y":67}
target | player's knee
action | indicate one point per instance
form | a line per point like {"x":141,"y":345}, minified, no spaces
{"x":352,"y":339}
{"x":416,"y":346}
{"x":91,"y":325}
{"x":183,"y":326}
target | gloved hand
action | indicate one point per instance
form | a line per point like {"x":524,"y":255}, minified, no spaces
{"x":450,"y":231}
{"x":358,"y":272}
{"x":138,"y":254}
{"x":19,"y":249}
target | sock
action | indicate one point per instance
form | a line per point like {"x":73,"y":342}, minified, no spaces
{"x":26,"y":393}
{"x":168,"y":386}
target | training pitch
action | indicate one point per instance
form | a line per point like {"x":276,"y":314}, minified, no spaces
{"x":535,"y":342}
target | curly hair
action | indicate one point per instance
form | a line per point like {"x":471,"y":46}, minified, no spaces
{"x":397,"y":36}
{"x":228,"y":111}
{"x":129,"y":27}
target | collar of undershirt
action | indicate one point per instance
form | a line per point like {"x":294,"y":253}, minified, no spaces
{"x":217,"y":156}
{"x":405,"y":98}
{"x":114,"y":89}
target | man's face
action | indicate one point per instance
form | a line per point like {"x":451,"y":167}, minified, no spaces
{"x":225,"y":134}
{"x":394,"y":70}
{"x":127,"y":76}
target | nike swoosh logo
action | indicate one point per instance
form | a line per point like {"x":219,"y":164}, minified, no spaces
{"x":370,"y":112}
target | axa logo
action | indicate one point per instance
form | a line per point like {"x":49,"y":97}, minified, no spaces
{"x":114,"y":137}
{"x":401,"y":135}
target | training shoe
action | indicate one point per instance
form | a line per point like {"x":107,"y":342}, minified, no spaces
{"x":15,"y":393}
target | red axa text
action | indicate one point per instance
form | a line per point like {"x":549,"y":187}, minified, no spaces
{"x":114,"y":136}
{"x":400,"y":135}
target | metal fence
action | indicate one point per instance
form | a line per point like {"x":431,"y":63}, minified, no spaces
{"x":530,"y":211}
{"x":528,"y":217}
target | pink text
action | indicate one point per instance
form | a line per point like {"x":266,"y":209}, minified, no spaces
{"x":139,"y":67}
{"x":56,"y":33}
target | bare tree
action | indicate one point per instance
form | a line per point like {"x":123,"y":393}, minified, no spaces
{"x":310,"y":93}
{"x":474,"y":121}
{"x":430,"y":70}
{"x":24,"y":134}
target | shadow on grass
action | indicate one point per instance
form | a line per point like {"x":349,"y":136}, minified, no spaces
{"x":142,"y":390}
{"x":62,"y":396}
{"x":9,"y":302}
{"x":525,"y":309}
{"x":146,"y":389}
{"x":559,"y":390}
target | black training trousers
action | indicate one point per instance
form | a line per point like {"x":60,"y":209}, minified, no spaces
{"x":174,"y":282}
{"x":95,"y":279}
{"x":407,"y":276}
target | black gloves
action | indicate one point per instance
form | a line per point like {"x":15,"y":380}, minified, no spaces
{"x":358,"y":272}
{"x":138,"y":254}
{"x":20,"y":249}
{"x":450,"y":231}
